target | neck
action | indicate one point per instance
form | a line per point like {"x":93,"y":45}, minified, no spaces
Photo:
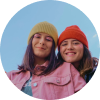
{"x":39,"y":61}
{"x":76,"y":64}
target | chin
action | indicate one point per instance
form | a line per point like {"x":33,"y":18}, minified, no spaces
{"x":40,"y":55}
{"x":69,"y":61}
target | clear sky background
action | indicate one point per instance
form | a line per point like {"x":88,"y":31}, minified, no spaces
{"x":60,"y":14}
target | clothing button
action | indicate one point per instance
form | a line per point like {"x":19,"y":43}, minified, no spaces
{"x":38,"y":68}
{"x":35,"y":84}
{"x":58,"y":81}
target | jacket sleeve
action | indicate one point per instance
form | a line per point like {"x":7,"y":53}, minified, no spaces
{"x":78,"y":81}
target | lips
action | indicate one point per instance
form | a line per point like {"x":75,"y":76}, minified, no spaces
{"x":41,"y":48}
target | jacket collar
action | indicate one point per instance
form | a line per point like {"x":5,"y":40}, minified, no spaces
{"x":44,"y":64}
{"x":40,"y":68}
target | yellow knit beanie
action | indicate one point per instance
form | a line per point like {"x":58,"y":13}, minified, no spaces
{"x":46,"y":28}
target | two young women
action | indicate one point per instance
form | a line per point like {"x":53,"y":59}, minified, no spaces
{"x":41,"y":74}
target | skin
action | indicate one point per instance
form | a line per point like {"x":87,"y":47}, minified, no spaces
{"x":72,"y":51}
{"x":41,"y":45}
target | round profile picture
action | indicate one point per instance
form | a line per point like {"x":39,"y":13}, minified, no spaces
{"x":49,"y":50}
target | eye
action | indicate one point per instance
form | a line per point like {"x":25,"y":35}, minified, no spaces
{"x":37,"y":36}
{"x":49,"y":39}
{"x":64,"y":44}
{"x":76,"y":43}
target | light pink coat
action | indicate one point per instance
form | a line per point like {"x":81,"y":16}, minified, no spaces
{"x":62,"y":82}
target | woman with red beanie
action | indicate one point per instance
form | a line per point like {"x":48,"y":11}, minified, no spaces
{"x":73,"y":48}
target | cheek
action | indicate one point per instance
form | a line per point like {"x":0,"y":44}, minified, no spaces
{"x":49,"y":46}
{"x":33,"y":42}
{"x":62,"y":52}
{"x":62,"y":49}
{"x":81,"y":46}
{"x":81,"y":50}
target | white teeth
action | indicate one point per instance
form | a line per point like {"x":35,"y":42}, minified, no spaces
{"x":70,"y":53}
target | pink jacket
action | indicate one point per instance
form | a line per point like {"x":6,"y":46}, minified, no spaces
{"x":62,"y":82}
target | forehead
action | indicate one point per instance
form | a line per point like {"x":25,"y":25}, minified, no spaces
{"x":69,"y":40}
{"x":43,"y":34}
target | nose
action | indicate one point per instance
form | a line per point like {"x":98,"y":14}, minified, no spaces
{"x":42,"y":41}
{"x":70,"y":46}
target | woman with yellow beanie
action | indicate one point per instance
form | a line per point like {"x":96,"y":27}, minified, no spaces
{"x":73,"y":48}
{"x":38,"y":75}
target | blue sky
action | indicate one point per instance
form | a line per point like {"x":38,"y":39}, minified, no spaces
{"x":60,"y":14}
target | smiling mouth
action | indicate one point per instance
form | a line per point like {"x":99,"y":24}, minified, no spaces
{"x":70,"y":53}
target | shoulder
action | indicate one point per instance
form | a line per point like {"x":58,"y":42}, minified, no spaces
{"x":65,"y":69}
{"x":12,"y":73}
{"x":64,"y":66}
{"x":93,"y":71}
{"x":89,"y":75}
{"x":95,"y":68}
{"x":67,"y":66}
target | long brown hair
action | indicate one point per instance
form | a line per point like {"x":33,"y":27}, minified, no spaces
{"x":87,"y":63}
{"x":28,"y":60}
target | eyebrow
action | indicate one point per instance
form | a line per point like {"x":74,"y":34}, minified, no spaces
{"x":38,"y":33}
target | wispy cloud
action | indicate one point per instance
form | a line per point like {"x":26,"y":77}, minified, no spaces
{"x":94,"y":35}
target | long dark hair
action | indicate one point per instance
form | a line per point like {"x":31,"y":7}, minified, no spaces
{"x":28,"y":60}
{"x":87,"y":63}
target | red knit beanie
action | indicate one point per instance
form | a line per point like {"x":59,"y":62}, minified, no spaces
{"x":73,"y":32}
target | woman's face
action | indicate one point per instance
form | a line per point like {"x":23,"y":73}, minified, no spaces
{"x":41,"y":45}
{"x":71,"y":50}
